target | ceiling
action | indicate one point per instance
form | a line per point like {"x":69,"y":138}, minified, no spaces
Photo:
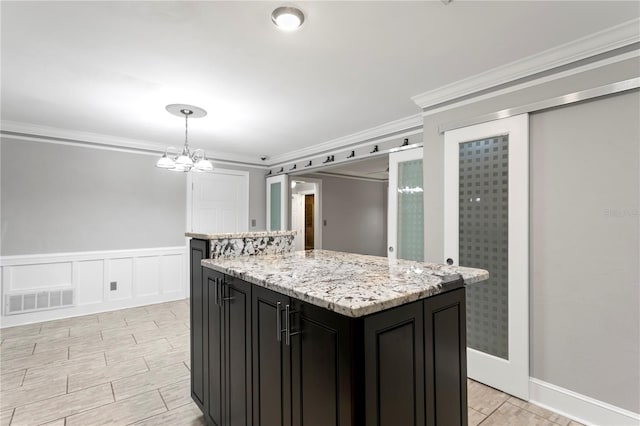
{"x":111,"y":67}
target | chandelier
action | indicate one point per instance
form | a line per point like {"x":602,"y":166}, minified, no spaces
{"x":185,"y":161}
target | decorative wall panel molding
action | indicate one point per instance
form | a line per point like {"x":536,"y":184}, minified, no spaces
{"x":141,"y":277}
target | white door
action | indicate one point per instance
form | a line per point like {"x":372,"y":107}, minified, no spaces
{"x":405,"y":216}
{"x":486,"y":223}
{"x":277,"y":203}
{"x":219,"y":201}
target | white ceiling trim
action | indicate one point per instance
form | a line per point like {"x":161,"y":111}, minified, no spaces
{"x":594,"y":44}
{"x":407,"y":123}
{"x":34,"y":132}
{"x":535,"y":82}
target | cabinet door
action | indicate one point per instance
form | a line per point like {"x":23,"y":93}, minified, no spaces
{"x":198,"y":251}
{"x":446,"y":358}
{"x":215,"y":385}
{"x":236,"y":300}
{"x":321,"y":367}
{"x":394,"y":366}
{"x":271,"y":360}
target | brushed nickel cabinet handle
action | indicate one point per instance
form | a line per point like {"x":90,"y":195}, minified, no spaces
{"x":278,"y":322}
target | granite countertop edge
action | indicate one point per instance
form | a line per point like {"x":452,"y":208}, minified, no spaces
{"x":247,"y":234}
{"x":448,"y":281}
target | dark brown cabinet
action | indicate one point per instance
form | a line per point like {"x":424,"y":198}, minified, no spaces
{"x":227,"y":360}
{"x":261,"y":358}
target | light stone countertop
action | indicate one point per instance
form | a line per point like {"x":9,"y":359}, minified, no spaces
{"x":247,"y":234}
{"x":350,"y":284}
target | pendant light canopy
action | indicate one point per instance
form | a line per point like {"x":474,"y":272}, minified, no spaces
{"x":185,"y":160}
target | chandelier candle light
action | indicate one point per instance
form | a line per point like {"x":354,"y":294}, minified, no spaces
{"x":185,"y":161}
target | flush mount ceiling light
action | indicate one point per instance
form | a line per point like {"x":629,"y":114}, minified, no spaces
{"x":185,"y":161}
{"x":287,"y":18}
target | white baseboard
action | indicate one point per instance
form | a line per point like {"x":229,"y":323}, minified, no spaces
{"x":143,"y":276}
{"x":579,"y":407}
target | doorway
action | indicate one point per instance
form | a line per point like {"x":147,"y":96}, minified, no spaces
{"x":306,"y":212}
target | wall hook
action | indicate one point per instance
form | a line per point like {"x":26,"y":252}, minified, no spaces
{"x":281,"y":170}
{"x":309,"y":164}
{"x":294,"y":167}
{"x":406,"y":142}
{"x":375,"y":149}
{"x":353,"y":154}
{"x":269,"y":174}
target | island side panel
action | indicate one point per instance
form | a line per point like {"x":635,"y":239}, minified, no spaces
{"x":199,"y":249}
{"x":446,"y":358}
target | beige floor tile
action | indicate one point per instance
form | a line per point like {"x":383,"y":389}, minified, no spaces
{"x":69,"y":322}
{"x":159,"y":333}
{"x":177,"y":394}
{"x":62,"y":406}
{"x":121,"y":412}
{"x":35,"y":360}
{"x":86,"y":340}
{"x":183,"y":341}
{"x":104,"y":374}
{"x":98,"y":327}
{"x":483,"y":398}
{"x":17,"y":351}
{"x":188,"y":415}
{"x":5,"y":417}
{"x":474,"y":417}
{"x":12,"y":380}
{"x":172,"y":356}
{"x":12,"y":398}
{"x":59,"y":422}
{"x":122,"y":353}
{"x":33,"y":339}
{"x":508,"y":414}
{"x":153,"y":379}
{"x":20,"y":331}
{"x":81,"y":349}
{"x":539,"y":411}
{"x":574,"y":423}
{"x":128,"y":330}
{"x":64,"y":368}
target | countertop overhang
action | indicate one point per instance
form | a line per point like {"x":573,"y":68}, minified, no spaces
{"x":247,"y":234}
{"x":350,"y":284}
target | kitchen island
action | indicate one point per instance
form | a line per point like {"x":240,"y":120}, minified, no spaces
{"x":327,"y":338}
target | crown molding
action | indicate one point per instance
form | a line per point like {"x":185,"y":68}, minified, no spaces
{"x":38,"y":133}
{"x":600,"y":42}
{"x":407,"y":123}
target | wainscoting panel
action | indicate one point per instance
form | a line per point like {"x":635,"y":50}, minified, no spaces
{"x":28,"y":277}
{"x":147,"y":276}
{"x":143,"y":276}
{"x":91,"y":275}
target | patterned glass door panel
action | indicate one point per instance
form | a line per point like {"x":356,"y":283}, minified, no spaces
{"x":483,"y":240}
{"x":410,"y":211}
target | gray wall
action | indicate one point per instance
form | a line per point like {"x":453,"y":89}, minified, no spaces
{"x":569,"y":287}
{"x":60,"y":198}
{"x":356,"y":215}
{"x":585,"y":248}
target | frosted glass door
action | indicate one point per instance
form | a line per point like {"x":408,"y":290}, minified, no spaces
{"x":405,"y":232}
{"x":277,"y":203}
{"x":486,"y":226}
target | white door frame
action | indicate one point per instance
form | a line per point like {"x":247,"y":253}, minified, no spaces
{"x":284,"y":200}
{"x":511,"y":376}
{"x":392,"y":204}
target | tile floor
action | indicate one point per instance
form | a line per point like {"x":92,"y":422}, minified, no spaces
{"x":132,"y":367}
